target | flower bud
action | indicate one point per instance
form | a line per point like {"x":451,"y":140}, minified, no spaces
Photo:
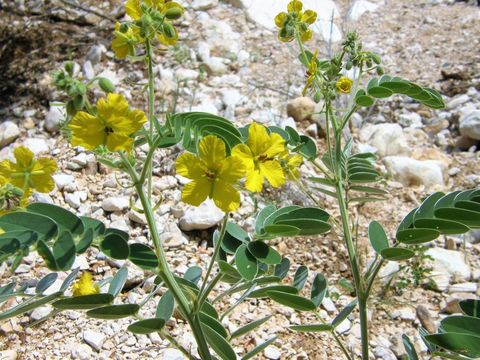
{"x":317,"y":97}
{"x":174,"y":12}
{"x":369,"y":63}
{"x":349,"y":65}
{"x":380,"y":70}
{"x":78,"y":102}
{"x":69,"y":66}
{"x":168,"y":30}
{"x":71,"y":108}
{"x":376,"y":59}
{"x":106,"y":85}
{"x":123,"y":28}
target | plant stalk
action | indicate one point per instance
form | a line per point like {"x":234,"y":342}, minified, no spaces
{"x":151,"y":109}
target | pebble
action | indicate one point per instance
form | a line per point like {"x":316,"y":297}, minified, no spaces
{"x":54,"y":119}
{"x":388,"y":139}
{"x":62,"y":180}
{"x":384,"y":353}
{"x":405,"y":313}
{"x":116,"y":203}
{"x":172,"y":354}
{"x":448,"y":265}
{"x":470,"y":125}
{"x":81,"y":352}
{"x":204,"y":4}
{"x":412,"y":172}
{"x":8,"y":355}
{"x":22,"y":269}
{"x":9,"y":131}
{"x":40,"y":313}
{"x":36,"y":145}
{"x":205,"y":216}
{"x":272,"y":353}
{"x":94,"y":339}
{"x":173,"y":240}
{"x":301,"y":108}
{"x":457,"y":101}
{"x":426,"y":319}
{"x":73,"y":199}
{"x":467,"y":287}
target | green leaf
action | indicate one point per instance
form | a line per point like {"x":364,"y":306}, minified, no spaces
{"x":21,"y":221}
{"x":85,"y":241}
{"x":143,"y":256}
{"x":286,"y":209}
{"x":300,"y":277}
{"x":65,"y":220}
{"x":64,"y":251}
{"x":281,"y":270}
{"x":115,"y":246}
{"x":264,"y":253}
{"x":377,"y":236}
{"x":112,"y":312}
{"x":465,"y":344}
{"x":69,"y":279}
{"x":263,"y":292}
{"x":470,"y":307}
{"x":28,"y":305}
{"x":293,"y":301}
{"x":407,"y":221}
{"x":249,"y":327}
{"x":319,"y":289}
{"x":397,"y":254}
{"x":261,"y":216}
{"x":467,"y":217}
{"x":417,"y":236}
{"x":83,"y":302}
{"x":426,"y":209}
{"x":346,"y":285}
{"x":246,"y":263}
{"x":312,"y":328}
{"x":308,"y":148}
{"x":380,"y":92}
{"x":214,"y":324}
{"x":258,"y":349}
{"x":219,"y":344}
{"x":147,"y":326}
{"x":461,"y":324}
{"x":230,"y":274}
{"x":372,"y":83}
{"x":409,"y":348}
{"x":47,"y":255}
{"x":118,"y":281}
{"x":347,"y":310}
{"x":193,"y":274}
{"x":308,"y":226}
{"x":363,"y":177}
{"x":369,"y":190}
{"x":282,"y":230}
{"x":364,"y":100}
{"x":45,"y":283}
{"x":166,"y":306}
{"x":294,"y":136}
{"x":97,"y":226}
{"x":304,"y":213}
{"x":234,"y":237}
{"x":445,"y":227}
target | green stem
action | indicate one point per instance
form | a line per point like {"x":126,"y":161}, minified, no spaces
{"x":175,"y":343}
{"x":335,"y":336}
{"x":151,"y":108}
{"x":164,"y":271}
{"x":205,"y":290}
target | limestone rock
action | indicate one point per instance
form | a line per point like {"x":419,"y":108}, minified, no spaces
{"x":202,"y":217}
{"x":411,"y":172}
{"x":470,"y":125}
{"x":116,"y":203}
{"x":54,"y":118}
{"x":301,"y":108}
{"x":360,"y":7}
{"x":94,"y":339}
{"x":387,"y":138}
{"x":9,"y":131}
{"x":448,"y":265}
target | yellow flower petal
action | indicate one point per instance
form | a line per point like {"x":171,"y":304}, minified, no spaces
{"x":118,"y":142}
{"x":225,"y":196}
{"x":276,"y":146}
{"x":189,"y":166}
{"x":114,"y":105}
{"x":258,"y":139}
{"x":196,"y":192}
{"x":254,"y":181}
{"x":87,"y":131}
{"x":294,"y":6}
{"x":43,"y":183}
{"x":232,"y":169}
{"x":2,"y":231}
{"x":85,"y":286}
{"x":309,"y":16}
{"x":306,"y":36}
{"x":132,"y":8}
{"x":273,"y":171}
{"x":244,"y":153}
{"x":344,"y":85}
{"x":23,"y":156}
{"x":211,"y":150}
{"x":280,"y":19}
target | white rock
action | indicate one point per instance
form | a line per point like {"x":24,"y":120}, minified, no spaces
{"x":203,"y":50}
{"x":120,"y":224}
{"x":80,"y":262}
{"x":115,"y":203}
{"x":36,"y":145}
{"x":388,"y":270}
{"x":186,"y":74}
{"x":80,"y":159}
{"x":387,"y":138}
{"x":470,"y":125}
{"x":9,"y":131}
{"x":94,"y":54}
{"x":8,"y":355}
{"x":202,"y":217}
{"x":204,"y":4}
{"x":62,"y":180}
{"x":173,"y":240}
{"x":272,"y":353}
{"x":384,"y":353}
{"x":40,"y":313}
{"x":468,"y":287}
{"x":172,"y":354}
{"x":230,"y":98}
{"x":221,"y":37}
{"x":110,"y":75}
{"x":42,"y":198}
{"x":328,"y":305}
{"x":344,"y":326}
{"x":410,"y":120}
{"x":54,"y":119}
{"x":73,"y":199}
{"x":404,"y":313}
{"x":94,"y":339}
{"x":88,"y":70}
{"x":81,"y":352}
{"x":22,"y":269}
{"x":207,"y":106}
{"x":215,"y":65}
{"x":360,"y":7}
{"x":457,"y":101}
{"x":412,"y":172}
{"x":448,"y":265}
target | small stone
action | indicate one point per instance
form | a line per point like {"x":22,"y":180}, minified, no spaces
{"x":448,"y":264}
{"x":312,"y":130}
{"x":215,"y":65}
{"x":204,"y":4}
{"x":173,"y":240}
{"x":80,"y":159}
{"x":405,"y":313}
{"x":272,"y":353}
{"x":301,"y":108}
{"x":42,"y":198}
{"x":94,"y":339}
{"x":172,"y":354}
{"x":203,"y":217}
{"x":116,"y":203}
{"x":80,"y":262}
{"x":389,"y":139}
{"x":54,"y":119}
{"x":384,"y":353}
{"x":328,"y":305}
{"x":410,"y":120}
{"x":467,"y":287}
{"x":343,"y":327}
{"x":62,"y":180}
{"x":457,"y":101}
{"x":426,"y":319}
{"x":73,"y":199}
{"x":36,"y":145}
{"x":22,"y":269}
{"x":470,"y":125}
{"x":88,"y":70}
{"x":452,"y":307}
{"x":9,"y":131}
{"x":454,"y":171}
{"x":8,"y":355}
{"x":120,"y":224}
{"x":412,"y":172}
{"x":81,"y":352}
{"x":94,"y":54}
{"x":40,"y":313}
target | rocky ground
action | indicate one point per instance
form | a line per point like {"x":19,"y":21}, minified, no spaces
{"x":230,"y":63}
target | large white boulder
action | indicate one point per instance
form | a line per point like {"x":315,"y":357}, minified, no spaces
{"x":388,"y":139}
{"x":412,"y":172}
{"x":448,"y":266}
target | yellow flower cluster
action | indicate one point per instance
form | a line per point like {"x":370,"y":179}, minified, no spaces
{"x":85,"y":286}
{"x":344,"y":85}
{"x":28,"y":173}
{"x":311,"y":73}
{"x":150,"y":17}
{"x":112,"y":126}
{"x":214,"y":174}
{"x":295,"y":21}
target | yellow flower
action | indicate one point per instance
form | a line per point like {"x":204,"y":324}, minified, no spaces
{"x":344,"y":85}
{"x":294,"y":6}
{"x":291,"y":164}
{"x":28,"y":172}
{"x":2,"y":231}
{"x":85,"y":286}
{"x":124,"y":42}
{"x":258,"y":155}
{"x":213,"y":174}
{"x":311,"y":73}
{"x":113,"y":126}
{"x":295,"y":22}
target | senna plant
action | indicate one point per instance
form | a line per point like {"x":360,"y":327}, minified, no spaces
{"x":219,"y":159}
